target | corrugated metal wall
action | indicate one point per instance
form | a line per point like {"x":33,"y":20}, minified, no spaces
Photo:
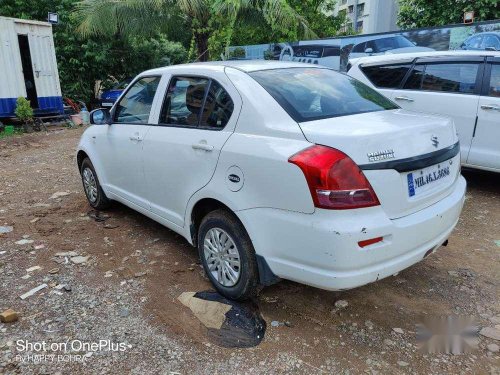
{"x":43,"y":60}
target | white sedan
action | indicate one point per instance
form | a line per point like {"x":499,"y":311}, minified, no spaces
{"x":277,"y":170}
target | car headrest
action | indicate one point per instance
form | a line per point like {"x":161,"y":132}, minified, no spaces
{"x":194,"y":98}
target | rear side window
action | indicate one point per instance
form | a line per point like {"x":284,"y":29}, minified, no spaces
{"x":331,"y":51}
{"x":184,"y":100}
{"x":135,"y":106}
{"x":196,"y":101}
{"x":414,"y":81}
{"x":454,"y":77}
{"x":386,"y":76}
{"x":309,"y":94}
{"x":495,"y":81}
{"x":218,"y":107}
{"x":359,"y":47}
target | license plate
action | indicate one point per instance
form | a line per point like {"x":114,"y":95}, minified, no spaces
{"x":107,"y":104}
{"x":423,"y":180}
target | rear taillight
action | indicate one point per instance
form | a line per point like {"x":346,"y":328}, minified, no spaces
{"x":334,"y":179}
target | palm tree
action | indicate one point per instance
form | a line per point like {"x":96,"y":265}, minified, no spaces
{"x":146,"y":17}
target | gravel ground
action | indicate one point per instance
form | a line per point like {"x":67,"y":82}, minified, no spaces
{"x":116,"y":276}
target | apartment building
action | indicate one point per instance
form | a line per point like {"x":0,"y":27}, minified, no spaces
{"x":369,"y":16}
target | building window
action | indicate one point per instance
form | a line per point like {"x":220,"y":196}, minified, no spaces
{"x":343,"y":2}
{"x":350,"y":9}
{"x":361,"y":9}
{"x":359,"y":26}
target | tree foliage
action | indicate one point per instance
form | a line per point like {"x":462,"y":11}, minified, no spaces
{"x":211,"y":22}
{"x":83,"y":60}
{"x":427,"y":13}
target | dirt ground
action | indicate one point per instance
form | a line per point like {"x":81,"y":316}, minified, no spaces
{"x":127,"y":289}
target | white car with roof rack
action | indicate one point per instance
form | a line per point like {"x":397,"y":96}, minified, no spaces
{"x":464,"y":85}
{"x":277,"y":170}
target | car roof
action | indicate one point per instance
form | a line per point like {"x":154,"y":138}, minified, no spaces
{"x":243,"y":65}
{"x":413,"y":55}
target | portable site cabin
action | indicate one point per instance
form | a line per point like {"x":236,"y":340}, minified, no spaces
{"x":28,"y":67}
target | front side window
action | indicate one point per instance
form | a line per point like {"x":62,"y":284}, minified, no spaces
{"x":386,"y":44}
{"x":308,"y":94}
{"x":459,"y":78}
{"x":475,"y":42}
{"x":495,"y":81}
{"x":386,"y":76}
{"x":491,"y":42}
{"x":184,"y":100}
{"x":135,"y":106}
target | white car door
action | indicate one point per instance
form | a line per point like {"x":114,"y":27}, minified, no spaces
{"x":181,"y":152}
{"x":120,"y":144}
{"x":485,"y":148}
{"x":449,"y":88}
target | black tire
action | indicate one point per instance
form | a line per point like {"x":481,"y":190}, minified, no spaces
{"x":100,"y":201}
{"x":247,"y":285}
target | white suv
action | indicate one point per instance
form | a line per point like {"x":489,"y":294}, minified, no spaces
{"x":277,"y":170}
{"x":463,"y":85}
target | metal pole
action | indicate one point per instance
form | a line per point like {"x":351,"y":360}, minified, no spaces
{"x":355,"y":16}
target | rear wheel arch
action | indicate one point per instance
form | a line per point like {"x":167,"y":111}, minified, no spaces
{"x":201,"y":209}
{"x":207,"y":205}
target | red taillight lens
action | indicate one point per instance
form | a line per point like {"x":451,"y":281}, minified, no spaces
{"x":334,"y":179}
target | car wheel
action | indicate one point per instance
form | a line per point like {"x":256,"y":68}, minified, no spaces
{"x":228,"y":255}
{"x":95,"y":195}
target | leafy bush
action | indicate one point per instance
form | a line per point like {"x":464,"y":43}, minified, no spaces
{"x":237,"y":53}
{"x":23,"y":111}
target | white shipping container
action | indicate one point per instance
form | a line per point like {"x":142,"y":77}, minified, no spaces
{"x":28,"y":67}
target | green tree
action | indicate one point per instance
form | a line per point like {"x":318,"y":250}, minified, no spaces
{"x":83,"y":61}
{"x":206,"y":17}
{"x":318,"y":14}
{"x":428,"y":13}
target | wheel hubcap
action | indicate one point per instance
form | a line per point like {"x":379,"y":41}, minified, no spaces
{"x":222,"y":256}
{"x":90,"y":184}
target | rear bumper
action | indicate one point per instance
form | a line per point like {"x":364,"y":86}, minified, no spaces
{"x":321,"y":249}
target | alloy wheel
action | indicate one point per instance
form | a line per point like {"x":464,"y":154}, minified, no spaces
{"x":222,"y":257}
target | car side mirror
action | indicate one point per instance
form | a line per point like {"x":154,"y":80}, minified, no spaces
{"x":369,"y":50}
{"x":100,"y":116}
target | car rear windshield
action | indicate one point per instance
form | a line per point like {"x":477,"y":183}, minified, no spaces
{"x":308,"y":94}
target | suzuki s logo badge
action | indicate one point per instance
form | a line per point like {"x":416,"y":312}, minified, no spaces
{"x":435,"y":141}
{"x":380,"y":155}
{"x":234,"y":178}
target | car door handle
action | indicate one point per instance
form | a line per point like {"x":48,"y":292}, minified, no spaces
{"x":491,"y":107}
{"x":405,"y":98}
{"x":203,"y":146}
{"x":135,"y":138}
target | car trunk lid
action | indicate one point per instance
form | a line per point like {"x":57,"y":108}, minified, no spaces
{"x":410,"y":159}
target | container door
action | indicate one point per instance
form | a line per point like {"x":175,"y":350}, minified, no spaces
{"x":28,"y":74}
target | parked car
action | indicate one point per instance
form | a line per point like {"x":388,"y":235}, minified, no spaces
{"x":487,"y":41}
{"x":323,"y":54}
{"x":385,"y":45}
{"x":109,"y":97}
{"x":277,"y":170}
{"x":463,"y":85}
